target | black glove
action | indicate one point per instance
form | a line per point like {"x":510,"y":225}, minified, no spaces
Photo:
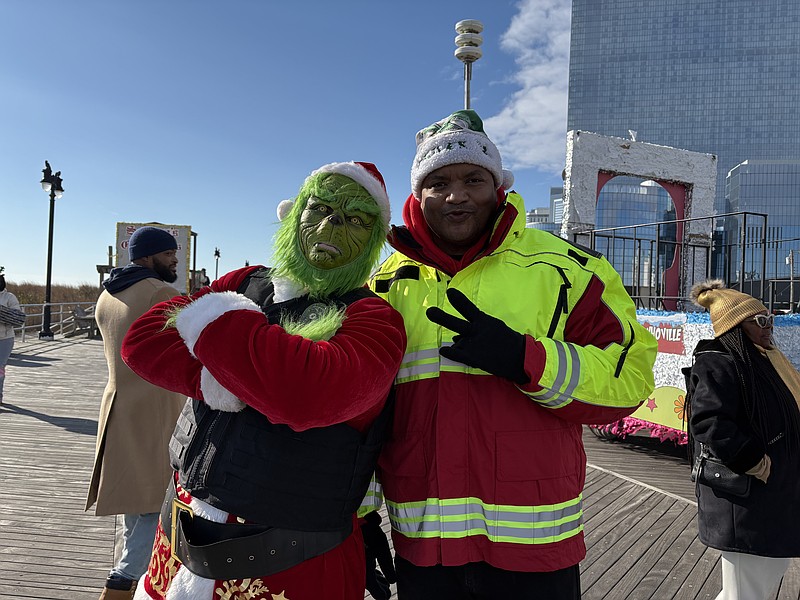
{"x":483,"y":341}
{"x":377,"y":553}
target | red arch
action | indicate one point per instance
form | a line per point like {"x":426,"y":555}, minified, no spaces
{"x":678,"y":192}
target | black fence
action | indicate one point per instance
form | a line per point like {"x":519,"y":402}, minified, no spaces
{"x":660,"y":261}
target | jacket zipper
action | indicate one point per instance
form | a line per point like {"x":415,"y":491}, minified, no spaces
{"x":624,"y":354}
{"x":562,"y":305}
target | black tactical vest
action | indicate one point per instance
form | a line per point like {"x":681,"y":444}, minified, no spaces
{"x":240,"y":462}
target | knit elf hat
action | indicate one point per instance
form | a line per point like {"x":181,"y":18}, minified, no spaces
{"x":727,"y":307}
{"x":456,"y":139}
{"x":364,"y":174}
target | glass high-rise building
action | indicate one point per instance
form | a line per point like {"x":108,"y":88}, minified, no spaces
{"x":713,"y":76}
{"x":771,"y":187}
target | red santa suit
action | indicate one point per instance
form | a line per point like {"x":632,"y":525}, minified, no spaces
{"x":229,"y":353}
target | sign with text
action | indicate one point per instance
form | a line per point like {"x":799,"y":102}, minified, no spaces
{"x":668,"y":330}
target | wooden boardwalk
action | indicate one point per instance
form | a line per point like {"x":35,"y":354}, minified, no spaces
{"x":640,"y":510}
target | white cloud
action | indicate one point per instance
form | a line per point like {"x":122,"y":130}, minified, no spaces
{"x":530,"y":130}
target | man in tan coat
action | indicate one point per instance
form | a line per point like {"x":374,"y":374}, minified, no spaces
{"x":131,"y":467}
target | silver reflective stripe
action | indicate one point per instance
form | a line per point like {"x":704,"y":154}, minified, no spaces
{"x":431,"y":364}
{"x":561,"y":374}
{"x":422,"y":369}
{"x":576,"y":371}
{"x":464,"y":517}
{"x":554,"y":397}
{"x":373,"y":498}
{"x":421,"y":355}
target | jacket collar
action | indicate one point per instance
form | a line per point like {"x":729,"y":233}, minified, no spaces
{"x":416,"y":241}
{"x":122,"y":278}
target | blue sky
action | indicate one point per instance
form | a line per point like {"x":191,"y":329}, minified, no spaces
{"x":209,"y":113}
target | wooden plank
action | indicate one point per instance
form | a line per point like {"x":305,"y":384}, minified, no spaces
{"x":622,"y":515}
{"x":664,"y":570}
{"x":50,"y":547}
{"x":641,"y":518}
{"x":704,"y":574}
{"x":662,"y":465}
{"x":790,"y":586}
{"x":625,"y":579}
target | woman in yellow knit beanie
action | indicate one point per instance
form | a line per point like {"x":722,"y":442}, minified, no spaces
{"x":744,"y":408}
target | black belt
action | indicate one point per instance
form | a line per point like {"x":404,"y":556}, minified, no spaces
{"x":238,"y":551}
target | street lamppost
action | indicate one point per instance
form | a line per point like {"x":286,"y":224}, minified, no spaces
{"x":216,"y":258}
{"x":51,"y":183}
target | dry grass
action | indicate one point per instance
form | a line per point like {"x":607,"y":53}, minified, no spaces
{"x":33,"y":293}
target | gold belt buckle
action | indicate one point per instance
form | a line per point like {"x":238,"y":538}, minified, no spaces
{"x":177,"y":506}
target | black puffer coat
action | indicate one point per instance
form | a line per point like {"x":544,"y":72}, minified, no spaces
{"x":767,"y":522}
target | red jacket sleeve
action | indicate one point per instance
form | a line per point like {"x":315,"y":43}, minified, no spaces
{"x":300,"y":382}
{"x":290,"y":379}
{"x":158,"y":354}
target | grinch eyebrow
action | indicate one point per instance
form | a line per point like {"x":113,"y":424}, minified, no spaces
{"x":365,"y":205}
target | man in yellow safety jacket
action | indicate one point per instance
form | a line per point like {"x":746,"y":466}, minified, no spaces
{"x":516,"y":338}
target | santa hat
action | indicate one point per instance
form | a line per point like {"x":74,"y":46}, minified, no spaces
{"x":364,"y":174}
{"x":457,"y":139}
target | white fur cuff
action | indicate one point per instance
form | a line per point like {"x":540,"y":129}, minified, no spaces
{"x":196,"y":315}
{"x":216,"y":396}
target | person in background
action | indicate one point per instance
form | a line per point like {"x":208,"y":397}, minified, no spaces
{"x":744,"y":407}
{"x":289,"y":370}
{"x":11,"y":316}
{"x":131,"y":467}
{"x":516,"y":338}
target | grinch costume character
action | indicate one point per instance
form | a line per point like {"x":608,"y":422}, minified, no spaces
{"x":288,"y":371}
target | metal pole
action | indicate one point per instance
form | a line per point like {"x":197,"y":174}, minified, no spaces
{"x":771,"y":294}
{"x":467,"y":79}
{"x":45,"y":333}
{"x":194,"y":259}
{"x":659,"y":287}
{"x":743,"y":250}
{"x":468,"y":42}
{"x":763,"y":257}
{"x":791,"y":281}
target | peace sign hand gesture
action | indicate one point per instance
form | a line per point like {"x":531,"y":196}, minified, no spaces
{"x":482,"y":341}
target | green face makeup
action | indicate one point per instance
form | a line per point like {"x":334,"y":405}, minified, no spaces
{"x":335,"y":227}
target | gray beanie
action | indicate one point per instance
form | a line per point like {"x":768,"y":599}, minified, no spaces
{"x":147,"y":241}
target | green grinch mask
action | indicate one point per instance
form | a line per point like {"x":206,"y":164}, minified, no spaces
{"x":332,"y":238}
{"x":336,"y":225}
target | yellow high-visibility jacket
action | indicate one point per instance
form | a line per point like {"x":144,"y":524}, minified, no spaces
{"x":477,"y":468}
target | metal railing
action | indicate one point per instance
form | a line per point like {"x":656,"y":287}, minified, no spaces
{"x":747,"y":257}
{"x":66,"y":318}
